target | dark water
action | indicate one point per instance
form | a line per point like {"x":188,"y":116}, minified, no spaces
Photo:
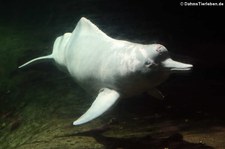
{"x":192,"y":34}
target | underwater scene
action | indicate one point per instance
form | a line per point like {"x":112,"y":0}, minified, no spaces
{"x":120,"y":74}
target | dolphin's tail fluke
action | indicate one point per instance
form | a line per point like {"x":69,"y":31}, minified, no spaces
{"x":37,"y":59}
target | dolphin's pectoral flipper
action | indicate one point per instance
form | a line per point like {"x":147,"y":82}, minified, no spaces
{"x":105,"y":99}
{"x":156,"y":93}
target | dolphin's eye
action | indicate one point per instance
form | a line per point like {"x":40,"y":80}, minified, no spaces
{"x":148,"y":63}
{"x":159,"y":51}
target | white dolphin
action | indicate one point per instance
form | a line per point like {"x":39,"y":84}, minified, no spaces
{"x":110,"y":68}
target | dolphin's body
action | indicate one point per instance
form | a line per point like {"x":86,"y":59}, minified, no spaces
{"x":110,"y":68}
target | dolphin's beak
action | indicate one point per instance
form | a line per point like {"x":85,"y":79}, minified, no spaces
{"x":176,"y":66}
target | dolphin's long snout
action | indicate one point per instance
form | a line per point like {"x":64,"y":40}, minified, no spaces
{"x":176,"y":66}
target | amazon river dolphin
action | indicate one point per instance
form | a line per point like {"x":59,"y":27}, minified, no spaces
{"x":110,"y":68}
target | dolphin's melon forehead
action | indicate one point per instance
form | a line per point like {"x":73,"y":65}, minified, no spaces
{"x":157,"y":49}
{"x":161,"y":48}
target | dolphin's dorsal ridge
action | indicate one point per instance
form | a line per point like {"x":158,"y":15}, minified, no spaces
{"x":86,"y":28}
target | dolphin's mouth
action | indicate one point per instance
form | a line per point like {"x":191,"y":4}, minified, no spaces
{"x":182,"y":69}
{"x":176,"y":66}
